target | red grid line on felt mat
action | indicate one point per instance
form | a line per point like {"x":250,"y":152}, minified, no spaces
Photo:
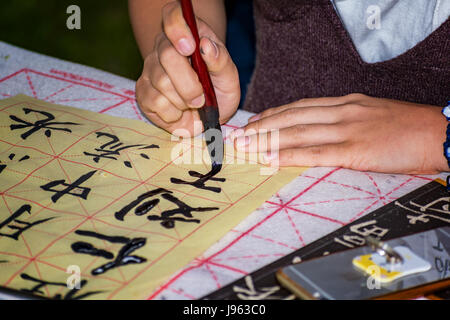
{"x":28,"y":71}
{"x":170,"y":284}
{"x":167,"y":284}
{"x":34,"y":259}
{"x":71,"y":82}
{"x":372,"y":194}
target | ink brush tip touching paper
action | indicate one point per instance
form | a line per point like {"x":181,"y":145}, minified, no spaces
{"x":209,"y":113}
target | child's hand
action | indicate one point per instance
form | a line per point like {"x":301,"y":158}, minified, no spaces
{"x":356,"y":132}
{"x":169,"y":91}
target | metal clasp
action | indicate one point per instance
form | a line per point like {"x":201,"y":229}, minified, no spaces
{"x":384,"y":250}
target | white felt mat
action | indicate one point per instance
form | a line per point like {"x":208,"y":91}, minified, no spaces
{"x":315,"y":204}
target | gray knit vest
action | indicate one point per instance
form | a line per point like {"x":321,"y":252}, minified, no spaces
{"x":304,"y":51}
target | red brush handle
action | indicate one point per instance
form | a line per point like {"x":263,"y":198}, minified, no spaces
{"x":196,"y":59}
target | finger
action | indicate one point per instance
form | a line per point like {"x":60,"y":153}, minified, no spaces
{"x":182,"y":75}
{"x":161,"y":81}
{"x":294,"y":116}
{"x":151,"y":100}
{"x":176,"y":29}
{"x":303,"y":103}
{"x":292,"y":137}
{"x":185,"y":127}
{"x":330,"y":155}
{"x":219,"y":63}
{"x":224,"y":76}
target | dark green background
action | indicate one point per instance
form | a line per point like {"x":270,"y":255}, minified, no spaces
{"x":105,"y":40}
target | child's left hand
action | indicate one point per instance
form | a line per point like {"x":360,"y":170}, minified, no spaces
{"x":354,"y":131}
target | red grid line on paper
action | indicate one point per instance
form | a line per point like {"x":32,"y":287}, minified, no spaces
{"x":58,"y":157}
{"x":323,"y":179}
{"x":292,"y":207}
{"x":53,"y":158}
{"x":167,"y":284}
{"x":201,"y":226}
{"x":74,"y":82}
{"x":32,"y":259}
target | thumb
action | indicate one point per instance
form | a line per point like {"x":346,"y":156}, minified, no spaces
{"x":218,"y":60}
{"x":224,"y":76}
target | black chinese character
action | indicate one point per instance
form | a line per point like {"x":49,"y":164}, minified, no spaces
{"x":202,"y":179}
{"x":68,"y":296}
{"x":72,"y":189}
{"x":123,"y":257}
{"x":143,"y":208}
{"x":20,"y":229}
{"x":167,"y":217}
{"x":46,"y":124}
{"x":112,"y":149}
{"x":11,"y":157}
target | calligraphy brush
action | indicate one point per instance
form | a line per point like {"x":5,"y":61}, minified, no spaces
{"x":209,"y":113}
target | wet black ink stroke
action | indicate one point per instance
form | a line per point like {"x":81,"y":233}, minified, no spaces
{"x":111,"y":150}
{"x":69,"y":187}
{"x":123,"y":257}
{"x":167,"y":217}
{"x":71,"y":295}
{"x":26,"y":208}
{"x":43,"y":124}
{"x":202,"y":179}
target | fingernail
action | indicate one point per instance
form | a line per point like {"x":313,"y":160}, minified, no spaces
{"x":198,"y":102}
{"x":242,"y":141}
{"x":254,"y":118}
{"x":215,"y":48}
{"x":270,"y":156}
{"x":185,"y":46}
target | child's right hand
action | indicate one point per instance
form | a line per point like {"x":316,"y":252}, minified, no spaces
{"x":169,"y":91}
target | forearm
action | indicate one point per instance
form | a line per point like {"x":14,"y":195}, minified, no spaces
{"x":146,"y":19}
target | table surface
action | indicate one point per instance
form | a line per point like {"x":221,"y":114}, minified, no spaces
{"x":316,"y":203}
